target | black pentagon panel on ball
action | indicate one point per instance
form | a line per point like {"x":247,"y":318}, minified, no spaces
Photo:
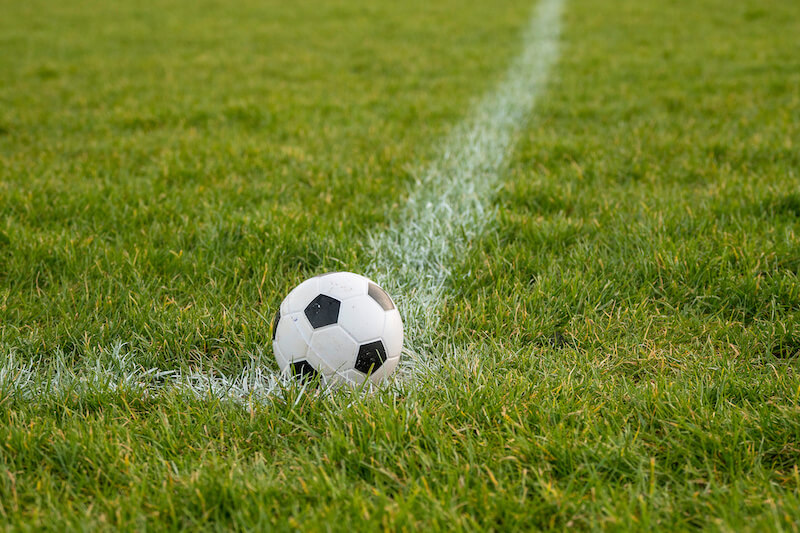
{"x":380,"y":296}
{"x":275,"y":324}
{"x":370,"y":357}
{"x":323,"y":311}
{"x":304,"y":370}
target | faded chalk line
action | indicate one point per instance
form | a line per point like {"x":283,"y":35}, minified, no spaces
{"x":414,"y":257}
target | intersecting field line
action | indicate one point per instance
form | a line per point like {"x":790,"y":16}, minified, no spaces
{"x":414,"y":257}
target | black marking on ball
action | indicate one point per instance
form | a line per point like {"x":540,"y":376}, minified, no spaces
{"x":304,"y":370}
{"x":323,"y":311}
{"x":370,"y":357}
{"x":275,"y":324}
{"x":380,"y":296}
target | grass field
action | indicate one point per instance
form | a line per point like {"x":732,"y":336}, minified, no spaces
{"x":616,"y":349}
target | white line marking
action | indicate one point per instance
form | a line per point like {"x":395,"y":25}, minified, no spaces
{"x":414,"y":261}
{"x":448,"y":208}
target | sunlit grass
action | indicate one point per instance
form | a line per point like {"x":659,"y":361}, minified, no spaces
{"x":617,"y":350}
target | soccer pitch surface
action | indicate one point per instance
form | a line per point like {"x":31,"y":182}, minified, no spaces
{"x":587,"y":211}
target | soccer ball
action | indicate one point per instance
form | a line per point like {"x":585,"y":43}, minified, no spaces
{"x":339,"y":327}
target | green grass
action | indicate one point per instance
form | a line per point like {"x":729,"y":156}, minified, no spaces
{"x":629,"y":324}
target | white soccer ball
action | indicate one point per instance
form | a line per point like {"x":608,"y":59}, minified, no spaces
{"x":341,"y":327}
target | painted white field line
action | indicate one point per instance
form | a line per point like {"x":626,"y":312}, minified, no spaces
{"x":414,"y":257}
{"x":116,"y":369}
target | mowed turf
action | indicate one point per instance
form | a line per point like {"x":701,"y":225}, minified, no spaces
{"x":627,"y":328}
